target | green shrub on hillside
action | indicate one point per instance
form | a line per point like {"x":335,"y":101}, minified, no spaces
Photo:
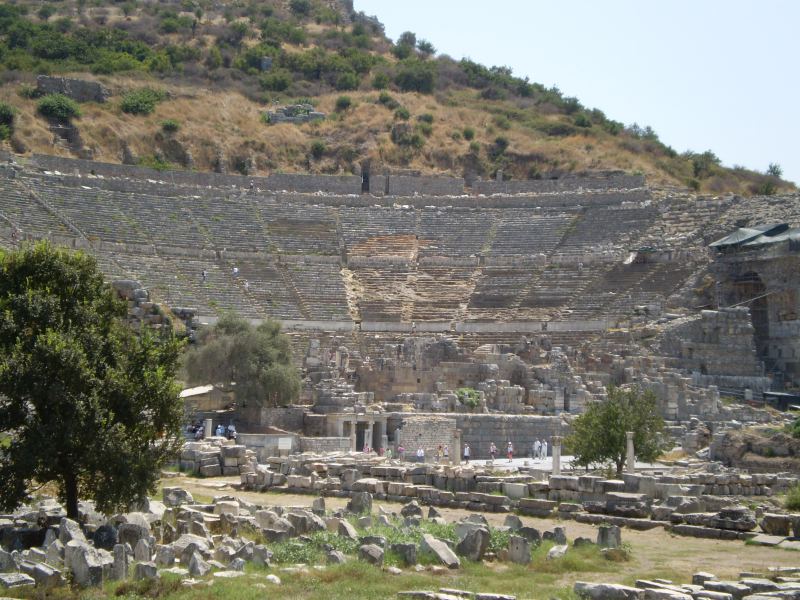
{"x":276,"y":81}
{"x":59,"y":107}
{"x":347,"y":81}
{"x":414,"y":75}
{"x":170,"y":126}
{"x":343,"y":103}
{"x":7,"y":114}
{"x":142,"y":101}
{"x":318,"y":149}
{"x":402,"y":114}
{"x":380,"y":81}
{"x":469,"y":134}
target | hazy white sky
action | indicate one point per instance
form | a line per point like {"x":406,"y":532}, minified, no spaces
{"x":718,"y":75}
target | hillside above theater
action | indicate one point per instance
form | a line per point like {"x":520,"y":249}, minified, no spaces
{"x":203,"y":86}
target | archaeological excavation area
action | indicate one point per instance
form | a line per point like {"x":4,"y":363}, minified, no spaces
{"x":434,"y":321}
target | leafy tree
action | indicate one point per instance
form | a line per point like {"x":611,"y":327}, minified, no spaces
{"x":414,"y":75}
{"x":300,"y":7}
{"x":775,"y":170}
{"x":88,"y":404}
{"x":599,"y":434}
{"x":426,"y":48}
{"x":407,"y":38}
{"x":255,"y":362}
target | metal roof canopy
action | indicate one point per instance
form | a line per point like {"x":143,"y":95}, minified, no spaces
{"x":747,"y":234}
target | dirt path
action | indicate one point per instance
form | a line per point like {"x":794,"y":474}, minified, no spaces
{"x":656,"y":553}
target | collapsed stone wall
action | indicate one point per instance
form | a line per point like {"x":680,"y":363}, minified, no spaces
{"x":79,"y":90}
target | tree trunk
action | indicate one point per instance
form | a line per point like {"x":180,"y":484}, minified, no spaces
{"x":620,"y":463}
{"x":71,"y":495}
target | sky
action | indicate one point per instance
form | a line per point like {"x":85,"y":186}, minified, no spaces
{"x":719,"y":75}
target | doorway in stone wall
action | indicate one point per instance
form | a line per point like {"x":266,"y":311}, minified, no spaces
{"x":750,"y":291}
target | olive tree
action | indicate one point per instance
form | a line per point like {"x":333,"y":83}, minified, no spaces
{"x":599,"y":434}
{"x":254,"y":362}
{"x":85,"y":402}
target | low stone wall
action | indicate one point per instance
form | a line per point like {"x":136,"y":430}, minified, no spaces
{"x":568,"y":184}
{"x":297,"y":182}
{"x":406,"y":185}
{"x":291,"y":182}
{"x":324,"y":444}
{"x":266,"y":445}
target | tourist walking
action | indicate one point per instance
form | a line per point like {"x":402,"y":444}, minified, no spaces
{"x":204,"y":274}
{"x":446,"y":454}
{"x":544,"y":449}
{"x":466,"y":453}
{"x":537,"y":449}
{"x":510,"y":451}
{"x":420,"y":454}
{"x":492,"y":451}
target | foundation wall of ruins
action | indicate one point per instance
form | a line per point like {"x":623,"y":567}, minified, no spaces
{"x":427,"y":432}
{"x":480,"y":430}
{"x":324,"y":444}
{"x":541,"y":186}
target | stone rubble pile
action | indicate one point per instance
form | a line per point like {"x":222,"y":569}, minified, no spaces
{"x":43,"y":548}
{"x":778,"y":582}
{"x":216,"y":456}
{"x":697,"y":504}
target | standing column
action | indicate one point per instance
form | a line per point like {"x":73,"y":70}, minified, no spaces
{"x":556,"y":441}
{"x":631,"y":456}
{"x":353,"y":429}
{"x":208,"y":431}
{"x":368,"y":434}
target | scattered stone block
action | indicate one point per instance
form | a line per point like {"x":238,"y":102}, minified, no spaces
{"x":371,"y":553}
{"x":557,"y":552}
{"x":440,"y":550}
{"x":519,"y":550}
{"x":146,"y":570}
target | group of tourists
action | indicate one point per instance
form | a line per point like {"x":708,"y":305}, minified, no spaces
{"x":539,"y":450}
{"x":198,"y":430}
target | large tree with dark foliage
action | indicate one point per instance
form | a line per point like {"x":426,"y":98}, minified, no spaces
{"x":254,"y":362}
{"x":599,"y":435}
{"x":87,"y":403}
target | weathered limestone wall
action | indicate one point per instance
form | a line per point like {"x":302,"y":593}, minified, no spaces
{"x":543,"y":186}
{"x":79,"y":90}
{"x":405,"y":185}
{"x":427,"y":432}
{"x":324,"y":444}
{"x":718,"y":343}
{"x":479,"y":431}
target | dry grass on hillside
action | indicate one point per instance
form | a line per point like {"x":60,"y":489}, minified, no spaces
{"x":216,"y":121}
